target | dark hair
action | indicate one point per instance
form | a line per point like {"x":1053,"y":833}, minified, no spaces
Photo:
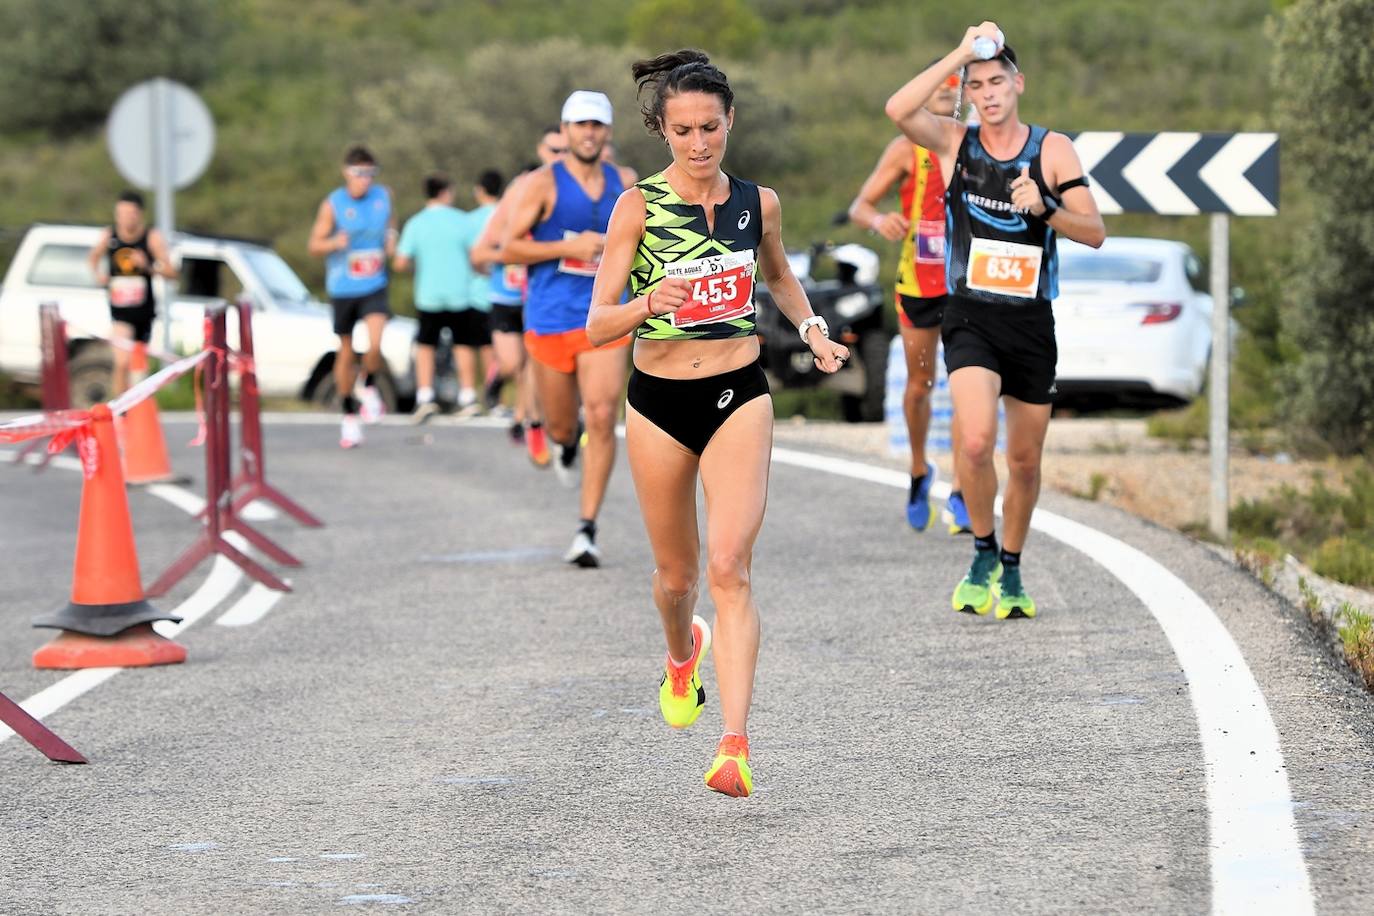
{"x":551,"y":129}
{"x":436,"y":183}
{"x":359,"y":155}
{"x":490,"y":181}
{"x":670,"y":74}
{"x":131,"y":197}
{"x":1007,"y":56}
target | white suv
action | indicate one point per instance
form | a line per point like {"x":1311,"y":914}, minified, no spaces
{"x":293,"y":334}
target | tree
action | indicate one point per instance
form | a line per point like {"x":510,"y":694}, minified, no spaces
{"x":486,"y":113}
{"x":64,"y":62}
{"x":1323,"y":69}
{"x":716,"y":26}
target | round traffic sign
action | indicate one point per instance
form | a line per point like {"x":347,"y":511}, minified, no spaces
{"x":160,"y":120}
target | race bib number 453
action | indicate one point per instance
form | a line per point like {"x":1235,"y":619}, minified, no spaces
{"x":722,"y":288}
{"x":1004,"y":268}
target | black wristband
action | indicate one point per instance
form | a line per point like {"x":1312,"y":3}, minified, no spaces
{"x":1051,"y":207}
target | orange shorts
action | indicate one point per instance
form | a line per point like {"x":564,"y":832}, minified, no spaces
{"x":559,"y":351}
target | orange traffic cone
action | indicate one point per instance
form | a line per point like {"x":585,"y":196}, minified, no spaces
{"x":108,"y":622}
{"x":145,"y":449}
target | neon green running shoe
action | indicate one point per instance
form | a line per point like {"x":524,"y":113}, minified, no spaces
{"x":681,"y":698}
{"x":1013,"y":600}
{"x":730,"y":773}
{"x":976,"y":593}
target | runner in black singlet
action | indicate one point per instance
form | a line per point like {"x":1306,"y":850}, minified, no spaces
{"x":124,"y":260}
{"x":1012,"y":188}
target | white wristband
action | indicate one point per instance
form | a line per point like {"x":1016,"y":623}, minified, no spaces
{"x":815,"y":321}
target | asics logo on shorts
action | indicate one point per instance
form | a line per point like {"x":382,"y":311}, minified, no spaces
{"x":743,"y":220}
{"x":725,"y":399}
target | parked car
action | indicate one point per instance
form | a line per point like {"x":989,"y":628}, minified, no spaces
{"x":852,"y":305}
{"x":1133,"y":322}
{"x":293,"y":334}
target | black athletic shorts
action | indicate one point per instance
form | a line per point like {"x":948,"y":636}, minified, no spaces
{"x":691,"y":410}
{"x":140,"y":317}
{"x":467,"y":326}
{"x":349,"y":311}
{"x":922,"y":312}
{"x":1016,"y":342}
{"x":507,"y":319}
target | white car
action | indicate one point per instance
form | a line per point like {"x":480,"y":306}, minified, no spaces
{"x":293,"y":334}
{"x":1132,"y":321}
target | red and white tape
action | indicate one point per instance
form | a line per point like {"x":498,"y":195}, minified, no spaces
{"x":69,"y":427}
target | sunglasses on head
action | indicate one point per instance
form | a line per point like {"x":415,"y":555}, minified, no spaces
{"x":362,"y":171}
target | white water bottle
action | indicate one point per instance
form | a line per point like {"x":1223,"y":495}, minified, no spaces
{"x":985,"y":48}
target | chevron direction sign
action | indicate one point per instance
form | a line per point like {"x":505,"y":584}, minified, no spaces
{"x":1182,"y":173}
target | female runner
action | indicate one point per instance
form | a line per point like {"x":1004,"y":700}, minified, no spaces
{"x":687,"y":240}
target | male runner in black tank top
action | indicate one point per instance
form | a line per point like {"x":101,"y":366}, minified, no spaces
{"x":1012,"y":188}
{"x":124,"y":260}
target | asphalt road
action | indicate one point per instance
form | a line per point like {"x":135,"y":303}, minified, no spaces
{"x":442,"y":717}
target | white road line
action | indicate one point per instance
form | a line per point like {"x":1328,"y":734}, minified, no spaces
{"x":251,"y":608}
{"x":223,"y":577}
{"x":1256,"y":858}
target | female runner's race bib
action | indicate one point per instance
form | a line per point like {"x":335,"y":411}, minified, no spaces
{"x":128,"y":292}
{"x":1004,"y":268}
{"x":722,"y":288}
{"x":365,"y":262}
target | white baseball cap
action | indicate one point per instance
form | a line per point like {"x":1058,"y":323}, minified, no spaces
{"x":585,"y":105}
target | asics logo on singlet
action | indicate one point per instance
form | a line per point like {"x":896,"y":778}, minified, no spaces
{"x":725,"y":399}
{"x":743,"y":220}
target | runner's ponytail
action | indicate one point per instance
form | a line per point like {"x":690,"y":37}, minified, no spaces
{"x":670,"y":74}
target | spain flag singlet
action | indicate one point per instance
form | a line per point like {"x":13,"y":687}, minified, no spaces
{"x":921,"y":270}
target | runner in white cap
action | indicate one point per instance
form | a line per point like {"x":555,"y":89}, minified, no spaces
{"x":558,"y":228}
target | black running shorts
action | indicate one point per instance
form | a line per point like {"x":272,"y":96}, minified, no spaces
{"x":139,"y":317}
{"x":691,"y":410}
{"x":507,"y":319}
{"x":921,"y":312}
{"x":1015,"y":342}
{"x":349,"y":311}
{"x":468,"y":328}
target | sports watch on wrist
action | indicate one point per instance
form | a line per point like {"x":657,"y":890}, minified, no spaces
{"x":815,"y":321}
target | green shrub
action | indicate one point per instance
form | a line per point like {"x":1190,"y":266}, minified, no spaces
{"x":1347,"y":560}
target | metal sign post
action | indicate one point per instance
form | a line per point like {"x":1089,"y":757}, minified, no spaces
{"x":1176,"y":173}
{"x":161,"y":138}
{"x":1219,"y":393}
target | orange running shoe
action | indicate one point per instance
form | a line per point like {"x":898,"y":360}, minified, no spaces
{"x":537,"y":444}
{"x":730,"y":773}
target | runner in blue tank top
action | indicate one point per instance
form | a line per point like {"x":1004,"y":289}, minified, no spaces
{"x":558,"y":228}
{"x":1011,"y":188}
{"x":509,"y":286}
{"x":355,"y":233}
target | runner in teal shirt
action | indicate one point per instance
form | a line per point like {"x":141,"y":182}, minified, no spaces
{"x":436,"y":241}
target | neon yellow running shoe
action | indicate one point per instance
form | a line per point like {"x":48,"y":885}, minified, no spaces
{"x":730,"y":773}
{"x":681,"y":697}
{"x":1013,"y":601}
{"x":977,"y":592}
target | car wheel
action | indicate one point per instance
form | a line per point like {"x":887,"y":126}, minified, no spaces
{"x":326,"y":395}
{"x":872,"y":350}
{"x":91,"y":372}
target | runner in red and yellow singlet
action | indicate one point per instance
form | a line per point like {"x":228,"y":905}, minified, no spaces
{"x":920,"y":293}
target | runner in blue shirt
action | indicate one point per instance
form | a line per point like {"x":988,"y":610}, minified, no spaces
{"x":355,"y":232}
